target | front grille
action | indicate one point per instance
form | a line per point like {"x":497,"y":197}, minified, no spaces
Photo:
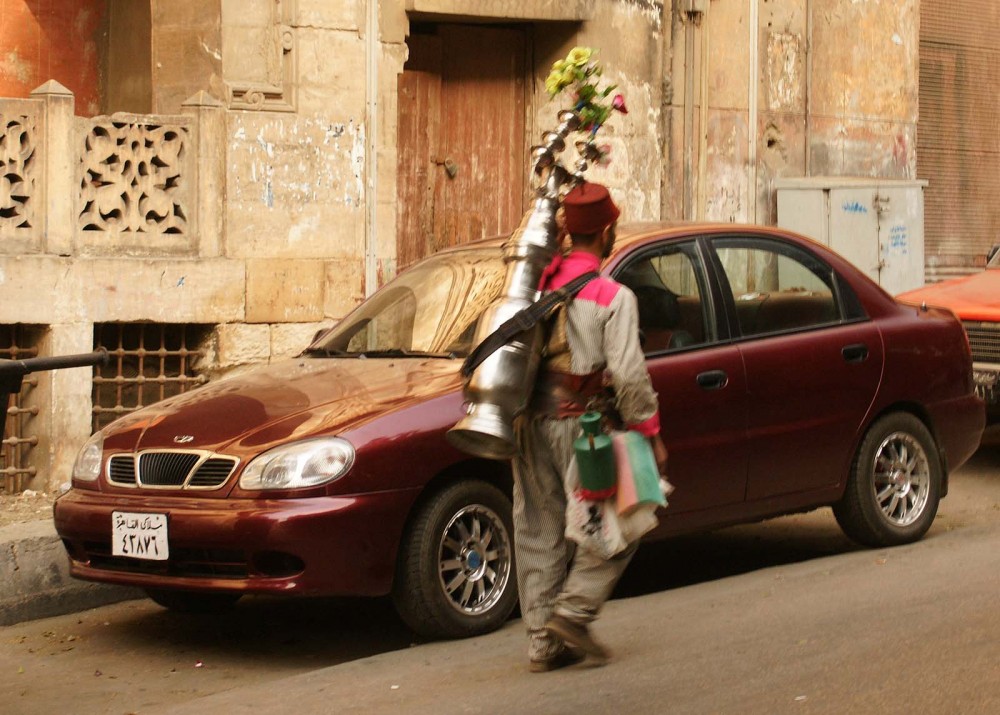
{"x":213,"y":472}
{"x":984,"y":339}
{"x":165,"y":469}
{"x":183,"y":562}
{"x":171,"y":469}
{"x":121,"y":469}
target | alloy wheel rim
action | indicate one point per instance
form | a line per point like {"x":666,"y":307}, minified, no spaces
{"x":902,"y":478}
{"x":474,"y":560}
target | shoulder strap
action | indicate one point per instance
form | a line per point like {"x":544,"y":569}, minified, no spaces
{"x":522,"y":320}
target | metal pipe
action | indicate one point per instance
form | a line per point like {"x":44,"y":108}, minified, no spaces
{"x":809,"y":70}
{"x":703,"y":117}
{"x":688,"y":118}
{"x":371,"y":147}
{"x":753,"y":108}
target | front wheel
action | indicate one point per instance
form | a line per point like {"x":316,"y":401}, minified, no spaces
{"x":455,"y":576}
{"x":894,"y":487}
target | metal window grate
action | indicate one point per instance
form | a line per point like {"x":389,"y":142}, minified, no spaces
{"x":148,"y":363}
{"x":18,"y":342}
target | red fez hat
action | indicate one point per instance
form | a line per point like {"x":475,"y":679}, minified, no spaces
{"x":588,"y":209}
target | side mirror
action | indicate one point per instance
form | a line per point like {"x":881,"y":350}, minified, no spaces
{"x":993,"y":252}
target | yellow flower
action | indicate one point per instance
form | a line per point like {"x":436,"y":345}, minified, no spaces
{"x":579,"y":56}
{"x":559,"y":65}
{"x":552,"y":84}
{"x":568,"y":76}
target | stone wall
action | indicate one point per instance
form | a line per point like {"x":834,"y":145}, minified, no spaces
{"x":259,"y":198}
{"x":835,"y":85}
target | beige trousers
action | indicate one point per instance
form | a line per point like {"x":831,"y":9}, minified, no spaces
{"x":553,"y":576}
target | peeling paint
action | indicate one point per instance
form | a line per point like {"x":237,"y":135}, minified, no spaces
{"x":13,"y":66}
{"x":296,"y":165}
{"x":209,"y":51}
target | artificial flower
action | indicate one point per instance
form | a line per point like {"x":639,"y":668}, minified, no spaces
{"x":579,"y":56}
{"x":580,"y":73}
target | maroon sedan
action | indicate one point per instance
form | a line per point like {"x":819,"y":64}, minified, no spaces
{"x":787,"y":380}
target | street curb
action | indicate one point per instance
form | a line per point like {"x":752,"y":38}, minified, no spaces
{"x":35,"y":580}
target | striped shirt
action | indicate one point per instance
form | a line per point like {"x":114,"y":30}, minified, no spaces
{"x":602,"y":332}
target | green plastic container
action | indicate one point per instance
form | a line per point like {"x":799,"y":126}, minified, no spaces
{"x":595,"y":458}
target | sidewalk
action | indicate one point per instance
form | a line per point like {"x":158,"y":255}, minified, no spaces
{"x":35,"y":580}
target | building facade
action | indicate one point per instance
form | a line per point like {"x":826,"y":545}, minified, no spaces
{"x":199,"y":185}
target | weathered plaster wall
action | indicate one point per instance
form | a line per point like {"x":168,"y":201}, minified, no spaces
{"x":186,"y":51}
{"x":52,"y":39}
{"x":836,"y":94}
{"x":288,"y":208}
{"x":634,"y":174}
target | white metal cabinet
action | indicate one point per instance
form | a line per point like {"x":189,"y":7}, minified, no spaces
{"x":878,"y":225}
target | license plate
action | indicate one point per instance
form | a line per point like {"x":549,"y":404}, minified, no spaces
{"x":139,"y":536}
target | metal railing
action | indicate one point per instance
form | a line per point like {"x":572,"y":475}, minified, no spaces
{"x":12,"y":374}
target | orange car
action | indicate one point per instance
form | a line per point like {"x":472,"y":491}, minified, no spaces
{"x":975,"y":300}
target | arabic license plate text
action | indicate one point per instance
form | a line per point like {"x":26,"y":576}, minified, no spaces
{"x":139,"y":536}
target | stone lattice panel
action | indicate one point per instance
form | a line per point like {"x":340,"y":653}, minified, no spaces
{"x":18,"y":158}
{"x":133,"y":178}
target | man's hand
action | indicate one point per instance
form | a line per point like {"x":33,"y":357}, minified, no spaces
{"x":660,"y":453}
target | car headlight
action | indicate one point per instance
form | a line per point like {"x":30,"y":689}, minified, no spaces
{"x":87,"y":467}
{"x":300,"y":464}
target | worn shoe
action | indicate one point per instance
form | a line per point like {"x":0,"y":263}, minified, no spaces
{"x":577,"y":634}
{"x":569,"y":655}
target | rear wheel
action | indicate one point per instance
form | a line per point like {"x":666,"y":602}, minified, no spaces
{"x":456,"y":567}
{"x":894,"y":488}
{"x":192,"y":601}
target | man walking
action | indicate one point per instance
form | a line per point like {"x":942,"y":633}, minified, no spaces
{"x":594,"y":340}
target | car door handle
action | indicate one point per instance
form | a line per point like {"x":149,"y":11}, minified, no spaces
{"x":713,"y":380}
{"x":855,"y":353}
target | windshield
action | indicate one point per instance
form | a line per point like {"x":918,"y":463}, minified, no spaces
{"x":430,"y":309}
{"x":994,"y":261}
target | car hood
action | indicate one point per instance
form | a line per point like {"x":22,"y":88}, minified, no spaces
{"x":975,"y":297}
{"x":289,"y":400}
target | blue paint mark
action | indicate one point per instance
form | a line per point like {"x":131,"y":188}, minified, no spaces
{"x":855,"y":207}
{"x":269,"y":195}
{"x":180,"y":282}
{"x":899,"y":239}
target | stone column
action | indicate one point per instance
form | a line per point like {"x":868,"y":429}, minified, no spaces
{"x":210,"y":171}
{"x":58,"y":185}
{"x":64,"y":401}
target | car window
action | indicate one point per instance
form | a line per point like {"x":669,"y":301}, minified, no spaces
{"x":430,"y":308}
{"x":776,"y":287}
{"x":669,"y":285}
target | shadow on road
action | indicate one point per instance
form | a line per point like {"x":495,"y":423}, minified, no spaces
{"x":687,"y":560}
{"x":291,"y":634}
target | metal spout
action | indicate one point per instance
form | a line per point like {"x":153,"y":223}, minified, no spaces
{"x":485,"y":432}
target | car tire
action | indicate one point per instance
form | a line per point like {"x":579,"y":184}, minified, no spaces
{"x":894,"y":487}
{"x":193,"y":601}
{"x":455,"y":575}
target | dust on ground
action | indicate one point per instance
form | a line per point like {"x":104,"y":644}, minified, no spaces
{"x":29,"y":505}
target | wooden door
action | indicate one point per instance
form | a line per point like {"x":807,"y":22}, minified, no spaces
{"x":462,"y":153}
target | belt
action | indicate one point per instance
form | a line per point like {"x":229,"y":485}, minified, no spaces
{"x":561,"y":394}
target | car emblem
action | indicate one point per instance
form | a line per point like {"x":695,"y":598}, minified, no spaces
{"x":184,"y":438}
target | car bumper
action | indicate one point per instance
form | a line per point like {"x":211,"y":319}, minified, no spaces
{"x":959,"y":425}
{"x":320,"y":546}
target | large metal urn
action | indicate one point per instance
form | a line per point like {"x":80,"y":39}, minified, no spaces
{"x":501,"y":386}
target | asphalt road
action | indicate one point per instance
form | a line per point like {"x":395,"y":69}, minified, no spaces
{"x":787,"y":616}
